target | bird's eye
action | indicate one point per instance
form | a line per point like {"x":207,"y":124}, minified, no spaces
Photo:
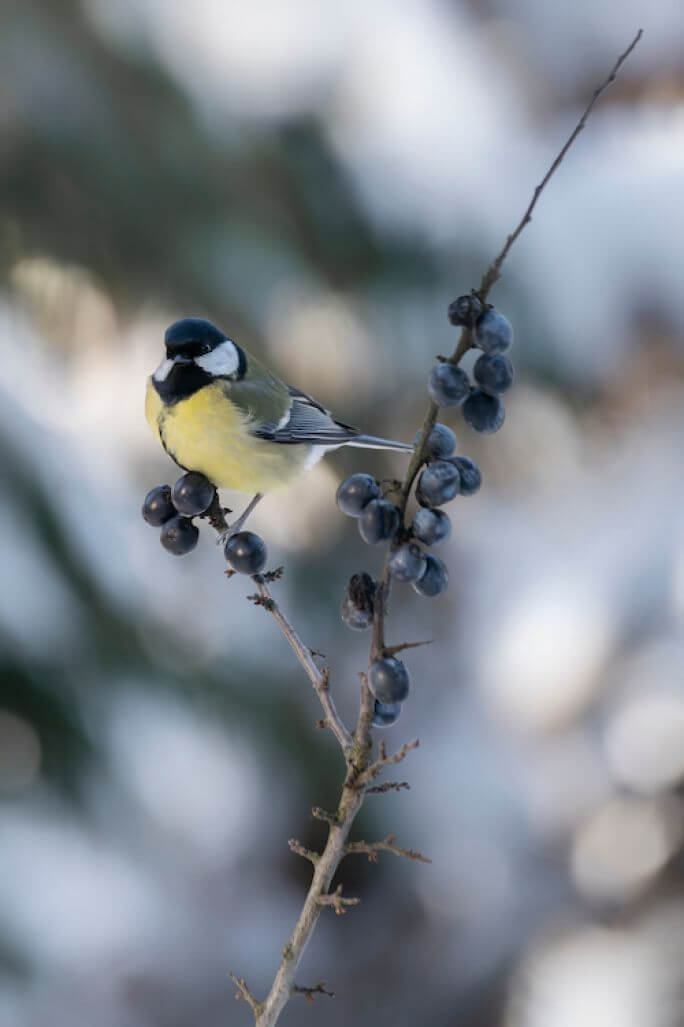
{"x":204,"y":348}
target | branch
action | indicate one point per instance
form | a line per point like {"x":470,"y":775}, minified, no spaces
{"x":301,"y":850}
{"x":371,"y":849}
{"x":337,"y":900}
{"x":243,"y":992}
{"x":383,"y":760}
{"x":309,"y":993}
{"x":493,"y":271}
{"x":387,"y":786}
{"x":317,"y":677}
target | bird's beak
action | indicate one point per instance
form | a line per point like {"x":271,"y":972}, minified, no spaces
{"x":178,"y":358}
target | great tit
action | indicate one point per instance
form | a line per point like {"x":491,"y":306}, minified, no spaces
{"x":217,"y":410}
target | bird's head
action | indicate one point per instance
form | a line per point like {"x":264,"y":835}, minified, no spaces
{"x":196,"y":353}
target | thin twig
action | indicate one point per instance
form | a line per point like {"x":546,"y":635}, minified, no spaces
{"x":317,"y":677}
{"x":244,"y":993}
{"x":383,"y":760}
{"x":309,"y":993}
{"x":301,"y":850}
{"x":493,"y":271}
{"x":392,"y":650}
{"x":337,"y":900}
{"x":371,"y":849}
{"x":388,"y":786}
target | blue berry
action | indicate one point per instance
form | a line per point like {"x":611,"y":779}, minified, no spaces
{"x":357,"y":605}
{"x":441,"y":442}
{"x":484,"y":413}
{"x":465,"y":310}
{"x":430,"y":526}
{"x":355,"y":493}
{"x":439,"y":482}
{"x":407,"y":563}
{"x":448,"y":385}
{"x":246,"y":552}
{"x":435,"y":579}
{"x":388,"y":680}
{"x":157,"y":507}
{"x":493,"y":332}
{"x":493,"y":372}
{"x":192,"y":494}
{"x":386,"y":713}
{"x":378,"y":522}
{"x":471,"y":476}
{"x":179,"y":535}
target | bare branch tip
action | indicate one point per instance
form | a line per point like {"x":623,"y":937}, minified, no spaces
{"x":245,"y":994}
{"x":337,"y":901}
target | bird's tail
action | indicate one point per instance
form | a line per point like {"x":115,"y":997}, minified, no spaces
{"x":372,"y":442}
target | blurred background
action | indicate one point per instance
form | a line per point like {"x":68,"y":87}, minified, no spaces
{"x":321,"y":180}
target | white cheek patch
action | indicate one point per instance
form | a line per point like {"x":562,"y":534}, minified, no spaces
{"x":222,"y":360}
{"x":163,"y":371}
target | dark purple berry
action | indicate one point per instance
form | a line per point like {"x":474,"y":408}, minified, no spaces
{"x":386,"y":713}
{"x":484,"y":413}
{"x":431,"y":526}
{"x":388,"y":680}
{"x":179,"y":535}
{"x":246,"y":552}
{"x":471,"y":476}
{"x":439,"y":482}
{"x":448,"y":385}
{"x":355,"y":493}
{"x":465,"y":310}
{"x":407,"y":563}
{"x":493,"y":372}
{"x":192,"y":494}
{"x":378,"y":522}
{"x":435,"y":579}
{"x":157,"y":507}
{"x":493,"y":332}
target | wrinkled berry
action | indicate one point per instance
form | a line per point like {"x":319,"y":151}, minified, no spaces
{"x":465,"y":310}
{"x":493,"y":372}
{"x":192,"y":494}
{"x":441,"y":442}
{"x":357,"y":605}
{"x":484,"y":413}
{"x":448,"y":385}
{"x":378,"y":522}
{"x":386,"y":713}
{"x":431,"y":526}
{"x":388,"y":680}
{"x":493,"y":332}
{"x":157,"y":507}
{"x":435,"y":579}
{"x":246,"y":552}
{"x":471,"y":476}
{"x":179,"y":535}
{"x":439,"y":482}
{"x":355,"y":493}
{"x":407,"y":563}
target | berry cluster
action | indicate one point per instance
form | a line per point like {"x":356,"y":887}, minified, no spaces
{"x":172,"y":510}
{"x":443,"y":477}
{"x":449,"y":385}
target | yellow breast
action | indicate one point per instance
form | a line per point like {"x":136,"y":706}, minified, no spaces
{"x":207,"y":433}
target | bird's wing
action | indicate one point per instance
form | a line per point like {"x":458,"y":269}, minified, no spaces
{"x":306,"y":421}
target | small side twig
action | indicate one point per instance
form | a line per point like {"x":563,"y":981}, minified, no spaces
{"x":244,"y":993}
{"x":301,"y":850}
{"x":383,"y":760}
{"x":392,"y":650}
{"x":371,"y":849}
{"x":387,"y":786}
{"x":338,"y":902}
{"x":309,"y":993}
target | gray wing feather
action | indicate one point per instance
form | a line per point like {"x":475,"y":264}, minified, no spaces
{"x":308,"y":422}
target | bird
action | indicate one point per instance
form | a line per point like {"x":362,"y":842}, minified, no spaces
{"x":217,"y":410}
